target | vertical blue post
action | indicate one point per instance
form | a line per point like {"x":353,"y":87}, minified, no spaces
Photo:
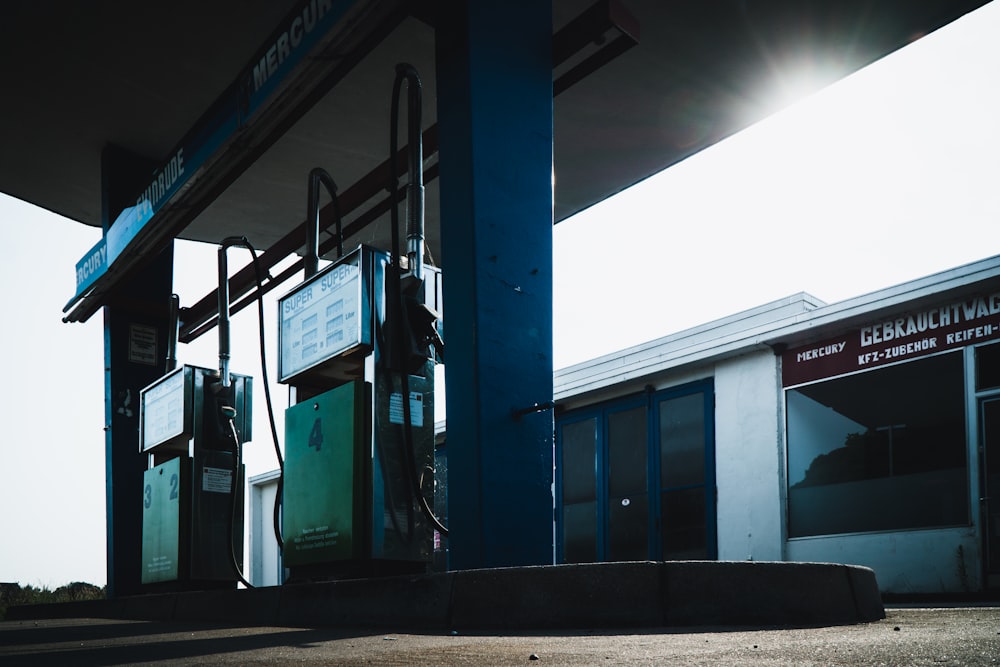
{"x":135,"y":335}
{"x":494,"y":84}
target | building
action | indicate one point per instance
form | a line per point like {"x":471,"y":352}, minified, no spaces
{"x":863,"y":432}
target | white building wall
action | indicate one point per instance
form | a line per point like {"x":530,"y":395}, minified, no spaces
{"x":265,"y":556}
{"x":748,"y":457}
{"x":923,"y":561}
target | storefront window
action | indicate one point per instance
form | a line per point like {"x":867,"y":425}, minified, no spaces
{"x":881,"y":450}
{"x":988,"y":367}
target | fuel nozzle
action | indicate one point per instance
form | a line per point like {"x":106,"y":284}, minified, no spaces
{"x":219,"y":414}
{"x":423,"y":321}
{"x":412,"y":330}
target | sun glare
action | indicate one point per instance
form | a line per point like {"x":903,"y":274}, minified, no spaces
{"x":791,"y":84}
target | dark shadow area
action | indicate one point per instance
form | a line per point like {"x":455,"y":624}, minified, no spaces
{"x":128,"y":643}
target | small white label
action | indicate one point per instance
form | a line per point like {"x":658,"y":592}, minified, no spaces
{"x":216,"y":480}
{"x":416,"y":408}
{"x":142,"y":344}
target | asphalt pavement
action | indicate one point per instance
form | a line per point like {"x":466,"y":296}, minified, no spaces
{"x":907,"y":636}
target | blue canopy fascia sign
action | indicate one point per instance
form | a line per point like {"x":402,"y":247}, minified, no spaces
{"x":272,"y":65}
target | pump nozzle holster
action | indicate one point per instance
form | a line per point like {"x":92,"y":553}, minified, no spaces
{"x":218,"y":413}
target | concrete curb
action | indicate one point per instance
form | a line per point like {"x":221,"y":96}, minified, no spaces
{"x":597,"y":595}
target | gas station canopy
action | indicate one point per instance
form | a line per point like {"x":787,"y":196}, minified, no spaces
{"x":233,"y":103}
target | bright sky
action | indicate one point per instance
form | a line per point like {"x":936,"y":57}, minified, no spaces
{"x":886,"y":176}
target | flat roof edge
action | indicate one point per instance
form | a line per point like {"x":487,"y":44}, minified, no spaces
{"x":744,"y":331}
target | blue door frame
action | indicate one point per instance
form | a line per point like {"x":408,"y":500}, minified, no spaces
{"x":656,"y":487}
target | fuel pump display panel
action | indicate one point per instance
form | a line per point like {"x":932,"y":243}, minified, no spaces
{"x":172,"y":412}
{"x":321,"y":319}
{"x":327,"y":318}
{"x":165,"y":413}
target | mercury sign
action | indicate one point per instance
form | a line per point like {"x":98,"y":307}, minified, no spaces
{"x":304,"y":31}
{"x":93,"y":265}
{"x":943,"y":327}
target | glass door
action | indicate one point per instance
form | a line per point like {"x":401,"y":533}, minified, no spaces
{"x":687,"y":477}
{"x":628,"y":504}
{"x":635,"y":478}
{"x":577,"y":466}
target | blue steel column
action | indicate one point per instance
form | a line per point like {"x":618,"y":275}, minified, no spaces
{"x":494,"y":85}
{"x":141,"y":305}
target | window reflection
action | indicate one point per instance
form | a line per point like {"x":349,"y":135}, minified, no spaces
{"x":882,"y":450}
{"x":579,"y":488}
{"x":682,"y":440}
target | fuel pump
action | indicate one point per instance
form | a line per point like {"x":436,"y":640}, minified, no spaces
{"x":193,"y":422}
{"x":355,"y":344}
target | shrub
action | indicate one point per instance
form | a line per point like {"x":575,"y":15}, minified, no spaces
{"x":12,"y":595}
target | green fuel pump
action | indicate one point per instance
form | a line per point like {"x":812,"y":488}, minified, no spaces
{"x":188,"y":532}
{"x":355,"y":344}
{"x":349,"y":506}
{"x":193,"y":422}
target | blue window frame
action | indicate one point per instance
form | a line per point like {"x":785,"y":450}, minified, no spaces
{"x":635,"y":478}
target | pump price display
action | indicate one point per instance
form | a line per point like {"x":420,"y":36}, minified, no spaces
{"x":163,"y":410}
{"x":321,"y":319}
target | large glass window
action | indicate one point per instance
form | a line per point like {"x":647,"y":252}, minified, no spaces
{"x":882,"y":450}
{"x":988,"y":367}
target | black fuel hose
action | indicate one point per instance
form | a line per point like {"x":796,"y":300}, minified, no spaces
{"x":406,"y":72}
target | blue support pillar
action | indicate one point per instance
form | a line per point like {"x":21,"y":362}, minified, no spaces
{"x":494,"y":84}
{"x":135,"y":336}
